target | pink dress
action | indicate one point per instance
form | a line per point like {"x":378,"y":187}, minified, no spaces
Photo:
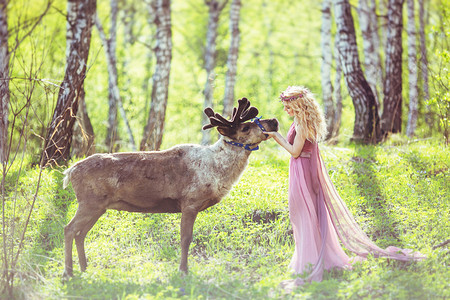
{"x":320,"y":219}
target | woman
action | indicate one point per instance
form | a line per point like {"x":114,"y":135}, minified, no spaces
{"x":318,"y":215}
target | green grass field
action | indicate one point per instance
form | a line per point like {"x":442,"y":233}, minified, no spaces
{"x":399,"y":194}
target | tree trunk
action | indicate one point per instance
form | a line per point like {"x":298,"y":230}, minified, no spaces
{"x":366,"y":128}
{"x":325,"y":70}
{"x":412,"y":67}
{"x":215,"y":8}
{"x":109,"y":46}
{"x":337,"y":91}
{"x":128,"y":20}
{"x":391,"y":119}
{"x":80,"y":18}
{"x":424,"y":64}
{"x":153,"y":131}
{"x":4,"y":80}
{"x":83,"y":136}
{"x":114,"y":93}
{"x":230,"y":80}
{"x":371,"y":45}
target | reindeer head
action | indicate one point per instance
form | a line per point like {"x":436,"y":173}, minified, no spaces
{"x":236,"y":129}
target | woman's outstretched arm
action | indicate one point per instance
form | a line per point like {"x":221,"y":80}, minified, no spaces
{"x":294,"y":149}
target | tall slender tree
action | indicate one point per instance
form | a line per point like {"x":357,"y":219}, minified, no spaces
{"x":325,"y":70}
{"x":337,"y":95}
{"x":371,"y":44}
{"x":153,"y":131}
{"x":233,"y":52}
{"x":115,"y":99}
{"x":80,"y":19}
{"x":110,"y":45}
{"x":215,"y":7}
{"x":83,"y":136}
{"x":413,"y":90}
{"x":391,"y":119}
{"x":423,"y":58}
{"x":4,"y":79}
{"x":366,"y":127}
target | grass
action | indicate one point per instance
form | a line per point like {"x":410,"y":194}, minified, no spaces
{"x":399,"y":194}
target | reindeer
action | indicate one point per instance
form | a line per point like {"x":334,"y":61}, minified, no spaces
{"x":185,"y":178}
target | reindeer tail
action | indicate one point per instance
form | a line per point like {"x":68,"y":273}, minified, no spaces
{"x":67,"y":174}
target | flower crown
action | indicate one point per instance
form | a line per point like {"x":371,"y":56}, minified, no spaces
{"x":287,"y":98}
{"x":284,"y":97}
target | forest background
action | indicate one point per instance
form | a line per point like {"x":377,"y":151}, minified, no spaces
{"x":281,"y":43}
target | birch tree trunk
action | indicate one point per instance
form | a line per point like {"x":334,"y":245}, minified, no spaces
{"x":391,"y":119}
{"x":109,"y":46}
{"x":412,"y":67}
{"x":128,"y":20}
{"x":4,"y":80}
{"x":83,"y":136}
{"x":337,"y":91}
{"x":114,"y":93}
{"x":371,"y":45}
{"x":215,"y":8}
{"x":325,"y":70}
{"x":80,"y":19}
{"x":367,"y":127}
{"x":154,"y":130}
{"x":424,"y":64}
{"x":233,"y":52}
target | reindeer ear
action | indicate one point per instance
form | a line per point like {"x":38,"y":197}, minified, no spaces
{"x":226,"y":131}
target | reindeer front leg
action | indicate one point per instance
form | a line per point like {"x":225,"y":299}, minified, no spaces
{"x":188,"y":217}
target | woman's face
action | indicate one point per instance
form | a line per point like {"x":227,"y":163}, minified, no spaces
{"x":288,"y":109}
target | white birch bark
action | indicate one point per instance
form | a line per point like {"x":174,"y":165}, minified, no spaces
{"x":230,"y":79}
{"x":83,"y":132}
{"x":114,"y":93}
{"x":80,"y":19}
{"x":424,"y":63}
{"x":325,"y":70}
{"x":366,"y":126}
{"x":337,"y":95}
{"x":391,"y":119}
{"x":4,"y":80}
{"x":128,"y":10}
{"x":215,"y":8}
{"x":154,"y":130}
{"x":413,"y":91}
{"x":371,"y":45}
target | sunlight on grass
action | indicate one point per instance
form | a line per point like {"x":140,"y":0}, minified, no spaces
{"x":242,"y":246}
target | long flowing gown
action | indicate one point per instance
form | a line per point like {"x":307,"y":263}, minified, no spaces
{"x":320,"y":219}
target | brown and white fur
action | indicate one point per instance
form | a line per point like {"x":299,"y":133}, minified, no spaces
{"x":185,"y":179}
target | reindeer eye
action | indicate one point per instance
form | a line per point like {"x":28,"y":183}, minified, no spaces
{"x":246,"y":128}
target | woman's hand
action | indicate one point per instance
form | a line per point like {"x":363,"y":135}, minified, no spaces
{"x":271,"y":134}
{"x":294,"y":149}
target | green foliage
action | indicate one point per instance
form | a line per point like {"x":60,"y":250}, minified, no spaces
{"x":242,"y":246}
{"x":440,"y":76}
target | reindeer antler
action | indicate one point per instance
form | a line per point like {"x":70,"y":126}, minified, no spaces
{"x":242,"y":113}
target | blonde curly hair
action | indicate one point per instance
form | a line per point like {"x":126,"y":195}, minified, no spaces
{"x":308,"y":116}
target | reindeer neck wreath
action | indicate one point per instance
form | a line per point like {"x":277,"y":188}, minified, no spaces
{"x":241,"y":114}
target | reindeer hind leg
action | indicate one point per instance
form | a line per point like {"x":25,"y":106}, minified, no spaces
{"x":79,"y":226}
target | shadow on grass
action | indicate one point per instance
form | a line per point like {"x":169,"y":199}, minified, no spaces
{"x":51,"y":227}
{"x":190,"y":286}
{"x":375,"y":204}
